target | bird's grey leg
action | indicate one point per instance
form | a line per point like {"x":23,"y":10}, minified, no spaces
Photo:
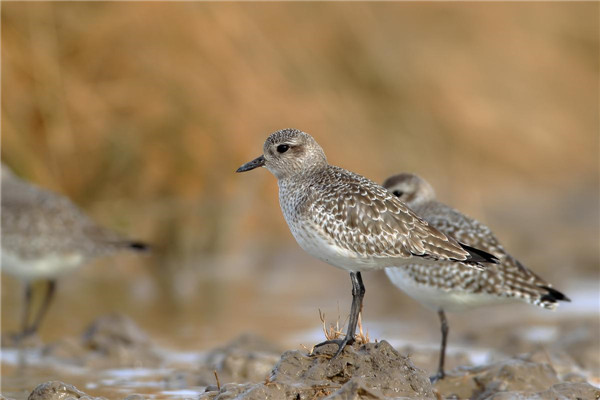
{"x":445,"y":328}
{"x":26,"y":311}
{"x":358,"y":293}
{"x":50,"y":289}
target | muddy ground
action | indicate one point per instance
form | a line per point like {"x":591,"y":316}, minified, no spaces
{"x":115,"y":359}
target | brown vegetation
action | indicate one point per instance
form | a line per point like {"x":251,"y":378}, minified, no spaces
{"x":141,"y":112}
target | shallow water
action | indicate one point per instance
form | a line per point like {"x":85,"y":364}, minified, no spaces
{"x":22,"y":370}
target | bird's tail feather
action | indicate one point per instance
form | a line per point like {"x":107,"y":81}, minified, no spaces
{"x":479,"y":256}
{"x":553,"y":295}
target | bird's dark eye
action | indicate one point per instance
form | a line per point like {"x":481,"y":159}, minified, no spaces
{"x":282,"y":148}
{"x":397,"y":193}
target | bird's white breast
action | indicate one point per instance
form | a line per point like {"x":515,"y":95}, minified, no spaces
{"x":47,"y":267}
{"x":437,"y":298}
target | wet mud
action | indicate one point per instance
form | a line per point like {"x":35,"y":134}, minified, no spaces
{"x":372,"y":370}
{"x":111,"y":341}
{"x":526,"y":377}
{"x":251,"y":367}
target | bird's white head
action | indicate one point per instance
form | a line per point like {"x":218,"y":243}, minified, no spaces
{"x":289,"y":152}
{"x":410,"y":189}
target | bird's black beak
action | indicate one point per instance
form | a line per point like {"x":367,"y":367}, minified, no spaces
{"x":257,"y":162}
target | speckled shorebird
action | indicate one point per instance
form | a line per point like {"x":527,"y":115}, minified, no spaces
{"x":349,"y":221}
{"x":45,"y":235}
{"x":453,"y":286}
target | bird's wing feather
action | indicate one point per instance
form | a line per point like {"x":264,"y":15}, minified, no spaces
{"x":518,"y":280}
{"x":359,"y":215}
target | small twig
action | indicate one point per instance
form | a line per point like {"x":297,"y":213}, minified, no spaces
{"x":321,"y":393}
{"x":334,"y":331}
{"x":548,"y":356}
{"x":364,"y":338}
{"x":217,"y":378}
{"x":310,"y":351}
{"x":268,"y":380}
{"x":320,"y":390}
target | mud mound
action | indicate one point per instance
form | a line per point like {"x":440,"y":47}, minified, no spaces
{"x":514,"y":378}
{"x":57,"y":390}
{"x":248,"y":358}
{"x":110,"y":341}
{"x":374,"y":370}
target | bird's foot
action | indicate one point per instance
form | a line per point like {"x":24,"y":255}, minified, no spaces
{"x":437,"y":377}
{"x":340,"y":342}
{"x":25,"y":338}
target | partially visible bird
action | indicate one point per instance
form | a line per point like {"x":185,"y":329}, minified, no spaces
{"x":349,"y":221}
{"x":453,"y":286}
{"x":44,"y":235}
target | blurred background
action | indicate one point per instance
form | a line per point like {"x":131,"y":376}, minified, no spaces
{"x":141,"y":113}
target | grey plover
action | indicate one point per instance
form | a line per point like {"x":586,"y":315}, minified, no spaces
{"x":45,"y":235}
{"x":452,"y":286}
{"x":347,"y":220}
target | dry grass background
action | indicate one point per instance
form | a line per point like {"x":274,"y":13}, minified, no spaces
{"x":140,"y":112}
